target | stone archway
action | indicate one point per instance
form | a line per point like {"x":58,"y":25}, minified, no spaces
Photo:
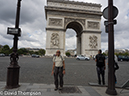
{"x":77,"y":27}
{"x":84,"y":18}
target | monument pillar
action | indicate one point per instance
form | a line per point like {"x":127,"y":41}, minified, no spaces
{"x":79,"y":45}
{"x":55,"y":41}
{"x":91,"y":43}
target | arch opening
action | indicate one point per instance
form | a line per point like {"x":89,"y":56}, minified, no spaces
{"x":75,"y":26}
{"x":78,"y":29}
{"x":71,"y":42}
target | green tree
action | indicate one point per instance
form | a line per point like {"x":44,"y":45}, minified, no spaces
{"x":23,"y":51}
{"x":104,"y":54}
{"x":6,"y":50}
{"x":11,"y":50}
{"x":122,"y":54}
{"x":37,"y":52}
{"x":67,"y":54}
{"x":0,"y":48}
{"x":126,"y":54}
{"x":31,"y":52}
{"x":41,"y":52}
{"x":116,"y":54}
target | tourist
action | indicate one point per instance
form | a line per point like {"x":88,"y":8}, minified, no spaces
{"x":58,"y":69}
{"x":101,"y":66}
{"x":116,"y":67}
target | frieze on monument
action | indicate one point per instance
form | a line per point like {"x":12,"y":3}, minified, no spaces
{"x":55,"y":22}
{"x":67,"y":20}
{"x":55,"y":40}
{"x":93,"y":25}
{"x":73,"y":14}
{"x":93,"y":41}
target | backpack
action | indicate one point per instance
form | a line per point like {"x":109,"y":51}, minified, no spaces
{"x":100,"y":60}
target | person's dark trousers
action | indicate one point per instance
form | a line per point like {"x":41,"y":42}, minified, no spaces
{"x":58,"y":73}
{"x":101,"y":71}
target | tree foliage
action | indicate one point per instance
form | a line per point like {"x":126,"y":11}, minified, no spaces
{"x":67,"y":54}
{"x":0,"y":48}
{"x":104,"y":54}
{"x":22,"y":51}
{"x":6,"y":50}
{"x":41,"y":52}
{"x":119,"y":54}
{"x":122,"y":54}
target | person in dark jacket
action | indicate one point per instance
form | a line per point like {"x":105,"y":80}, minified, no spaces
{"x":101,"y":66}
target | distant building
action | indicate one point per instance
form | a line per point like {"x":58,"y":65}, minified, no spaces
{"x":72,"y":52}
{"x":119,"y":51}
{"x":33,"y":49}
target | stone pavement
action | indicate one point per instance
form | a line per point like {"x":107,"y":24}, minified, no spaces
{"x":34,"y":89}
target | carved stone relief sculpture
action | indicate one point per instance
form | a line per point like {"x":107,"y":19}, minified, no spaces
{"x":67,"y":20}
{"x":93,"y":41}
{"x":55,"y":39}
{"x":55,"y":22}
{"x":93,"y":25}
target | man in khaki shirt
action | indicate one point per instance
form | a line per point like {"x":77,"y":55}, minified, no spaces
{"x":58,"y":69}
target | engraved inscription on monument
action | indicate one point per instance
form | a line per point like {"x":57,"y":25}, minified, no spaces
{"x":55,"y":39}
{"x":93,"y":25}
{"x":93,"y":41}
{"x":55,"y":22}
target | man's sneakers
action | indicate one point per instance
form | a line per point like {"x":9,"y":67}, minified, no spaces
{"x":60,"y":88}
{"x":56,"y":89}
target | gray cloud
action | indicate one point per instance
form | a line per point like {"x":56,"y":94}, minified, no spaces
{"x":70,"y":33}
{"x":7,"y":11}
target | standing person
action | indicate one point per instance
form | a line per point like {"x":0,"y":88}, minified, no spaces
{"x":58,"y":69}
{"x":116,"y":67}
{"x":101,"y":66}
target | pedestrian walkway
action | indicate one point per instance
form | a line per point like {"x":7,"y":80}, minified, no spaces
{"x":34,"y":89}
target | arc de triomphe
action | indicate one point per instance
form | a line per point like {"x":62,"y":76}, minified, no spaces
{"x":84,"y":18}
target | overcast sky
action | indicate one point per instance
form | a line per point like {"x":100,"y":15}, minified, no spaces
{"x":33,"y":23}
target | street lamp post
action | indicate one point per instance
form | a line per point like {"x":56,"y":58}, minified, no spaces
{"x":13,"y":69}
{"x":111,"y":81}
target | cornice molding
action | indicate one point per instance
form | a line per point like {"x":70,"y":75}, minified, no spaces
{"x":60,"y":29}
{"x":49,"y":8}
{"x":86,"y":31}
{"x":74,"y":2}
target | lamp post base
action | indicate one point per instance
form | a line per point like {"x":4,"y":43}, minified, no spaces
{"x":111,"y":92}
{"x":13,"y":77}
